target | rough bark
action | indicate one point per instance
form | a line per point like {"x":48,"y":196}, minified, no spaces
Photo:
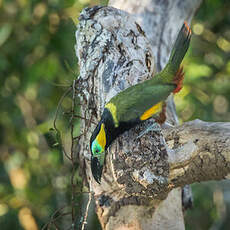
{"x":202,"y":152}
{"x":142,"y":177}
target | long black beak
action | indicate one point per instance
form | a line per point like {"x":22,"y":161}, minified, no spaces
{"x":96,"y":169}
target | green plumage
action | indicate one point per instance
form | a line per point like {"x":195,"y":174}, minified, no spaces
{"x":126,"y":109}
{"x":134,"y":101}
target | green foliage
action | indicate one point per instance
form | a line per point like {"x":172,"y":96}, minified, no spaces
{"x":207,"y":83}
{"x":206,"y":96}
{"x":36,"y":41}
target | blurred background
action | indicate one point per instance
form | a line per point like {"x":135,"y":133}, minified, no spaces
{"x":38,"y":64}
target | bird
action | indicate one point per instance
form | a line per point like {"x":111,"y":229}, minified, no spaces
{"x":138,"y":103}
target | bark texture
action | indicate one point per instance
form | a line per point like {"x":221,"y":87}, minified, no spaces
{"x":142,"y":176}
{"x":202,"y":152}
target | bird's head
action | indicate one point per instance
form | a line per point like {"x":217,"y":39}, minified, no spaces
{"x":97,"y":147}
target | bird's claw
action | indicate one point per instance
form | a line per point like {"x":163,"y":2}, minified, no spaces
{"x":155,"y":127}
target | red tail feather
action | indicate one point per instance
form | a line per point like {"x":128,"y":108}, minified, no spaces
{"x":178,"y":80}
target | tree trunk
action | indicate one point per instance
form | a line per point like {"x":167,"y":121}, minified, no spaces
{"x":143,"y":176}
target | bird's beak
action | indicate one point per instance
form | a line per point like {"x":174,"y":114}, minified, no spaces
{"x":96,"y":169}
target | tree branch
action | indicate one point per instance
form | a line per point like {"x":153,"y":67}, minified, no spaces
{"x":203,"y":152}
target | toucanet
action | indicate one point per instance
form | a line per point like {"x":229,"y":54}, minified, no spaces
{"x":138,"y":103}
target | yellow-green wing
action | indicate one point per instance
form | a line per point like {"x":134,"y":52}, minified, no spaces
{"x":137,"y":101}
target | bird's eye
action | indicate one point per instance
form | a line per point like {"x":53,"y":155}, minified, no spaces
{"x":97,"y":151}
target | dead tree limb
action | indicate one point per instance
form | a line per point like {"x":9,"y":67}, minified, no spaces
{"x":202,"y":152}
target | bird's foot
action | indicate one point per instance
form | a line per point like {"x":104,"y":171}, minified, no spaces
{"x":167,"y":125}
{"x":155,"y":127}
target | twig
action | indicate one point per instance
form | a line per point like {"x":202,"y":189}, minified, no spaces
{"x":59,"y":105}
{"x":56,"y":115}
{"x":86,"y":212}
{"x":53,"y":218}
{"x":72,"y":156}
